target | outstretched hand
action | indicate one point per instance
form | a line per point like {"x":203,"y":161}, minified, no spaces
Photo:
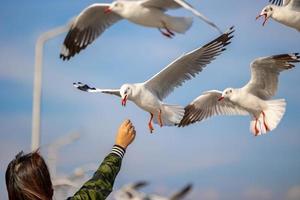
{"x":126,"y":134}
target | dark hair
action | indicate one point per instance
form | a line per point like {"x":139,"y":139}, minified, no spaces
{"x":28,"y":178}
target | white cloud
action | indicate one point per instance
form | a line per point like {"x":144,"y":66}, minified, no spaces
{"x":293,"y":193}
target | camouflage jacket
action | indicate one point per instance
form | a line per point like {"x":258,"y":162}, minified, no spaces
{"x":101,"y":184}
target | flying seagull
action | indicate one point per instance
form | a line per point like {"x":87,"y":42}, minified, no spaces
{"x":149,"y":95}
{"x":286,"y":12}
{"x":252,"y":99}
{"x":96,"y":18}
{"x":131,"y":192}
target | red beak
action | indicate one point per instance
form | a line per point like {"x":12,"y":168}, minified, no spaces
{"x":221,"y":98}
{"x":124,"y":100}
{"x":265,"y":20}
{"x":107,"y":10}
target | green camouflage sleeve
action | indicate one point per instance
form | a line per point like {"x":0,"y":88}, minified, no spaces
{"x":101,"y":184}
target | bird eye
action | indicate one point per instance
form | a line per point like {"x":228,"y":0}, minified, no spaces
{"x":230,"y":91}
{"x":271,"y":9}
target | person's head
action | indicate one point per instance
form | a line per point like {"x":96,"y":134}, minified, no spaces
{"x":28,"y":178}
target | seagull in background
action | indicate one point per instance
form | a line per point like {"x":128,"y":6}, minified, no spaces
{"x":131,"y":192}
{"x":96,"y":18}
{"x":252,"y":99}
{"x":149,"y":95}
{"x":286,"y":12}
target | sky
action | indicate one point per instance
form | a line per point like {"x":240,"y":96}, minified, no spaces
{"x":219,"y":156}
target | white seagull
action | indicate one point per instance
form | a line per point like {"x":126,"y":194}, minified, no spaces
{"x":286,"y":12}
{"x":131,"y":192}
{"x":252,"y":99}
{"x":149,"y":95}
{"x":96,"y":18}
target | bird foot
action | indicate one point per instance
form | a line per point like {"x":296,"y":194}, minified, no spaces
{"x":167,"y":35}
{"x":150,"y":128}
{"x":265,"y":124}
{"x":256,"y":129}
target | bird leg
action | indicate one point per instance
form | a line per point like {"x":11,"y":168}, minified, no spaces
{"x":256,"y":129}
{"x":159,"y":119}
{"x":150,"y":123}
{"x":169,"y":33}
{"x":264,"y":118}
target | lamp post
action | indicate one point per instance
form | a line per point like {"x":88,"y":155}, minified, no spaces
{"x":37,"y":85}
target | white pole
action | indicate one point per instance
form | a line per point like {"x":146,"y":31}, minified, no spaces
{"x":37,"y":85}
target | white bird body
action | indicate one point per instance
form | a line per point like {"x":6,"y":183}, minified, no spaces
{"x":248,"y":101}
{"x":96,"y":18}
{"x":288,"y":13}
{"x":144,"y":98}
{"x":153,"y":17}
{"x":253,"y":99}
{"x":287,"y":16}
{"x":149,"y":95}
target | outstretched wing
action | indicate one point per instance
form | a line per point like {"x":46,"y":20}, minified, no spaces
{"x":161,"y":4}
{"x":182,"y":193}
{"x":139,"y":185}
{"x":208,"y":105}
{"x":265,"y":72}
{"x":87,"y":26}
{"x":279,"y":2}
{"x":86,"y":88}
{"x":187,"y":66}
{"x":293,"y":4}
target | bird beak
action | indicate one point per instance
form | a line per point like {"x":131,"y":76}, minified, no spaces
{"x":221,"y":98}
{"x":265,"y":20}
{"x":107,"y":10}
{"x":124,"y":100}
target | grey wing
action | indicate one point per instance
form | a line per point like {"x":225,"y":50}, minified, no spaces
{"x":87,"y":26}
{"x":187,"y":66}
{"x":161,"y":4}
{"x":265,"y":72}
{"x":87,"y":88}
{"x":208,"y":105}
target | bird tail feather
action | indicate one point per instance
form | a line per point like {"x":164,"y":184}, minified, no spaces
{"x":180,"y":24}
{"x":269,"y":119}
{"x":170,"y":114}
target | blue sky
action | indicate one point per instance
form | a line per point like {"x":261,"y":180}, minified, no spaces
{"x":219,"y":156}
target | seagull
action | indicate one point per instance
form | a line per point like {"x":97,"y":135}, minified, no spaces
{"x":252,"y":99}
{"x":131,"y":192}
{"x":286,"y":12}
{"x":96,"y":18}
{"x":149,"y":95}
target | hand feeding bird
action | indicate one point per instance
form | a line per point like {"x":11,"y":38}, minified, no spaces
{"x":96,"y":18}
{"x":286,"y":12}
{"x":149,"y":95}
{"x":252,"y":99}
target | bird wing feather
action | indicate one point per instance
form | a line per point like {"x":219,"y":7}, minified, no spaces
{"x":265,"y":72}
{"x":187,"y":66}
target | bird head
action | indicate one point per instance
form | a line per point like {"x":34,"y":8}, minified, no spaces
{"x":126,"y":92}
{"x":116,"y":7}
{"x":266,"y":12}
{"x":226,"y":94}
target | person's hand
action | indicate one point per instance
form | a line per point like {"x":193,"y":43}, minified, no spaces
{"x":126,"y":134}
